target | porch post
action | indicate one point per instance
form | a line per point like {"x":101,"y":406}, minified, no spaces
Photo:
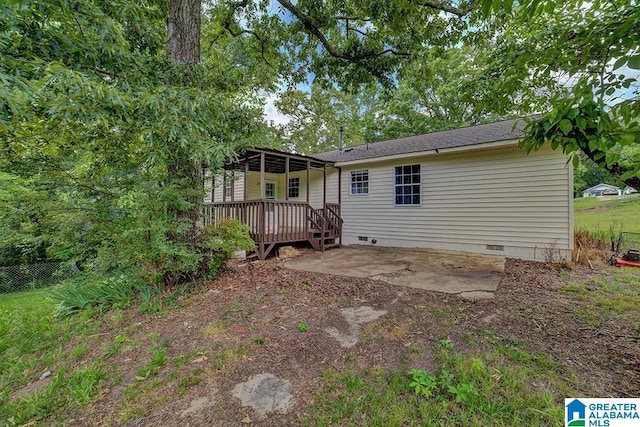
{"x":263,"y":190}
{"x":246,"y":179}
{"x":308,"y":179}
{"x":286,"y":178}
{"x":224,"y":187}
{"x":340,"y":186}
{"x":324,"y":207}
{"x":324,"y":187}
{"x":213,"y":187}
{"x":233,"y":185}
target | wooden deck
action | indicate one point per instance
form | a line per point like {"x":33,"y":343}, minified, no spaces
{"x":273,"y":222}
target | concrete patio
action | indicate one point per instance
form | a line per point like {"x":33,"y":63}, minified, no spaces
{"x":473,"y":276}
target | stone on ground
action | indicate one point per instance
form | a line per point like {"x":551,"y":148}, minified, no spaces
{"x":354,"y":318}
{"x":265,"y":393}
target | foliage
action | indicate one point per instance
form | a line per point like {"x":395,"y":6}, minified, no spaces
{"x":220,"y":243}
{"x":592,"y":48}
{"x":96,"y":293}
{"x":95,"y":121}
{"x":426,"y":385}
{"x":434,"y":92}
{"x":150,"y":299}
{"x":107,"y":133}
{"x":590,"y":129}
{"x":21,"y":227}
{"x":488,"y":388}
{"x":422,"y":382}
{"x":303,"y":327}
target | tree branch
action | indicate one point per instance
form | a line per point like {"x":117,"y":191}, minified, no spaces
{"x":446,"y":8}
{"x":333,"y":51}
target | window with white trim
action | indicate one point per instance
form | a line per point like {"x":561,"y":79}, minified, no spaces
{"x":407,"y":186}
{"x":359,"y":182}
{"x":270,"y":190}
{"x":228,"y":187}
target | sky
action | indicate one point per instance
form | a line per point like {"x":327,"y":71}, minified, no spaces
{"x":271,"y":113}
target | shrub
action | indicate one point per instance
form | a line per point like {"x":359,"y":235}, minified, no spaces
{"x":220,"y":242}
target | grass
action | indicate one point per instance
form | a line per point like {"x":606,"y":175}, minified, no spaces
{"x":622,"y":211}
{"x":504,"y":386}
{"x":32,"y":342}
{"x":494,"y":380}
{"x":605,"y":296}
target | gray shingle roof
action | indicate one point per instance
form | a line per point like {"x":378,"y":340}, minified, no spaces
{"x":461,"y":137}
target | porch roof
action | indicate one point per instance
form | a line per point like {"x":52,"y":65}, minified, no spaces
{"x":275,"y":161}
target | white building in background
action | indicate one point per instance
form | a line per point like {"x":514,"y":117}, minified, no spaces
{"x":602,"y":190}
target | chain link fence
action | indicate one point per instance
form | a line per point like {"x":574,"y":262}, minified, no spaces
{"x":18,"y":278}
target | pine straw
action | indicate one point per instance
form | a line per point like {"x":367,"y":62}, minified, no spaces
{"x":590,"y":248}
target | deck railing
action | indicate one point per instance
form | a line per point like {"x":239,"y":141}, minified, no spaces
{"x":269,"y":221}
{"x":333,"y":218}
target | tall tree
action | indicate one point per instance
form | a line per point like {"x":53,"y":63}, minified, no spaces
{"x":112,"y":106}
{"x":592,"y":47}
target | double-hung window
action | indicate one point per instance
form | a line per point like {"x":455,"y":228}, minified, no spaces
{"x":359,"y":182}
{"x":294,"y":187}
{"x":270,"y":190}
{"x":407,"y":188}
{"x":228,"y":187}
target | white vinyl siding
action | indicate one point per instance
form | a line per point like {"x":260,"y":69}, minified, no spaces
{"x":253,"y":185}
{"x":332,"y":187}
{"x":219,"y":182}
{"x":493,"y":197}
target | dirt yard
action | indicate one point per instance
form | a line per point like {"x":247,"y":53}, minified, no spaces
{"x":261,"y":318}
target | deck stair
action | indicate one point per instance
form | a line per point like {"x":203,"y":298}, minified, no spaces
{"x":275,"y":222}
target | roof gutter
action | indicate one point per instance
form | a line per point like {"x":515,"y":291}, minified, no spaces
{"x":433,"y":152}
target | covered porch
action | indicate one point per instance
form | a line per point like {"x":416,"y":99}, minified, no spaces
{"x":249,"y":193}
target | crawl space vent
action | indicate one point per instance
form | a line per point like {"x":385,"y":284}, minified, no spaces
{"x":495,"y":248}
{"x":363,"y":238}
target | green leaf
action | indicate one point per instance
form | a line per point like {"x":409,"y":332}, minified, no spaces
{"x":628,"y":174}
{"x":620,"y":62}
{"x":508,"y":5}
{"x":486,"y":7}
{"x":612,"y":158}
{"x":565,"y":126}
{"x":573,"y":113}
{"x":627,"y":139}
{"x":576,"y":161}
{"x":550,"y":6}
{"x":581,"y":122}
{"x":634,"y":62}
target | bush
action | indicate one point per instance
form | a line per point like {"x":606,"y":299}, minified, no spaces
{"x":219,"y":243}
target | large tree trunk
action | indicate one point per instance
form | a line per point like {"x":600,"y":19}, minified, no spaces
{"x":183,"y":46}
{"x":183,"y":31}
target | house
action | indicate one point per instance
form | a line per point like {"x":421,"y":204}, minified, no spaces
{"x":576,"y":410}
{"x":469,"y":189}
{"x":602,"y":190}
{"x":629,"y":190}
